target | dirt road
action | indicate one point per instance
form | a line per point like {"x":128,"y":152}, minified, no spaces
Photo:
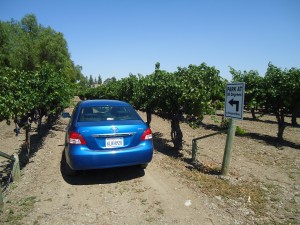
{"x":167,"y":192}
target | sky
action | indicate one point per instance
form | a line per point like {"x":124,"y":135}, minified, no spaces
{"x":119,"y":37}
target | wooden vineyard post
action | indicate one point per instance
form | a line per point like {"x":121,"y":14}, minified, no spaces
{"x":194,"y":150}
{"x":1,"y":198}
{"x":16,"y":173}
{"x":228,"y":147}
{"x":195,"y":146}
{"x":27,"y":141}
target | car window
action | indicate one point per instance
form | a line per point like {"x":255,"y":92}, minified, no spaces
{"x":104,"y":113}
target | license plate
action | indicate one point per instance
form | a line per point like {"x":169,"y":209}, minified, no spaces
{"x":114,"y":142}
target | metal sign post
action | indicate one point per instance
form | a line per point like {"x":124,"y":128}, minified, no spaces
{"x":228,"y":147}
{"x":234,"y":107}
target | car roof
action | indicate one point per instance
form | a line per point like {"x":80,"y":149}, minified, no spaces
{"x":103,"y":102}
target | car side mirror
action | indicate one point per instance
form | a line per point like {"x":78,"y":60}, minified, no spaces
{"x":65,"y":115}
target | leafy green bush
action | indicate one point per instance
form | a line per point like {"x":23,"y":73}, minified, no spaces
{"x":24,"y":92}
{"x":239,"y":131}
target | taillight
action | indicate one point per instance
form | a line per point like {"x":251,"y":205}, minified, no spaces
{"x":147,"y":135}
{"x":76,"y":139}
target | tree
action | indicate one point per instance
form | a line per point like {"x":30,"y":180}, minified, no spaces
{"x":126,"y":89}
{"x":78,"y":74}
{"x":30,"y":25}
{"x":187,"y":93}
{"x":157,"y":66}
{"x":26,"y":45}
{"x":294,"y":78}
{"x":4,"y":44}
{"x":35,"y":68}
{"x":91,"y":81}
{"x":168,"y":104}
{"x":108,"y":80}
{"x":279,"y":95}
{"x":202,"y":86}
{"x":144,"y":97}
{"x":99,"y":79}
{"x":23,"y":92}
{"x":254,"y":90}
{"x":55,"y":53}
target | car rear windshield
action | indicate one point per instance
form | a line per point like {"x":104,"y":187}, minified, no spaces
{"x":104,"y":113}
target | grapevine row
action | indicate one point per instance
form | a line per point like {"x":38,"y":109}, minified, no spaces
{"x":27,"y":96}
{"x":190,"y":93}
{"x":187,"y":94}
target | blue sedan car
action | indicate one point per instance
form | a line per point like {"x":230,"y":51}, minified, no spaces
{"x":106,"y":134}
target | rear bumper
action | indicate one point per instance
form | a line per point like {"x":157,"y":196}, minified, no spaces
{"x":79,"y":157}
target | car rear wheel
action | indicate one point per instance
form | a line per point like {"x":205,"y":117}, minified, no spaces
{"x":68,"y":170}
{"x":144,"y":166}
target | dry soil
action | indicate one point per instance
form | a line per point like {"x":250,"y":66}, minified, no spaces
{"x":263,"y":186}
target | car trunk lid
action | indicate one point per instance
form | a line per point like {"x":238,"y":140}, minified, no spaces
{"x":106,"y":135}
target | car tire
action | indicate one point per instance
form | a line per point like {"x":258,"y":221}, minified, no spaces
{"x":144,"y":166}
{"x":68,"y":170}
